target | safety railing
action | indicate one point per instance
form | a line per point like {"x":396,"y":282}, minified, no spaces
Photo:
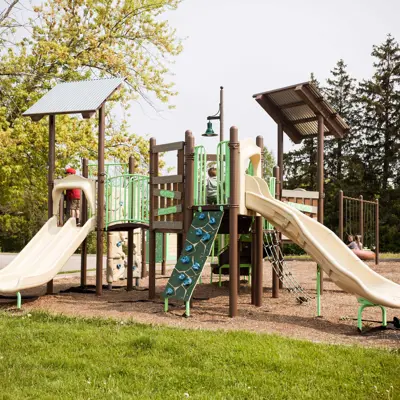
{"x":223,"y":172}
{"x":200,"y":175}
{"x":127,"y":199}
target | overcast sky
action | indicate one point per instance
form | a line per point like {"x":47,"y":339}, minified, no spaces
{"x":257,"y":45}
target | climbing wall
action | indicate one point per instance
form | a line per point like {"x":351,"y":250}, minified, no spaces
{"x":196,"y":249}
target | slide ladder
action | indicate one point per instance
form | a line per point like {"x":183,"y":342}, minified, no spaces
{"x":275,"y":257}
{"x":197,"y":247}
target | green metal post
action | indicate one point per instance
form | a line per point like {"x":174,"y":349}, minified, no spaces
{"x":165,"y":305}
{"x":187,"y":312}
{"x":19,"y":301}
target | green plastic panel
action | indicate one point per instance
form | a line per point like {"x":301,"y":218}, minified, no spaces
{"x":159,"y":249}
{"x":197,"y":247}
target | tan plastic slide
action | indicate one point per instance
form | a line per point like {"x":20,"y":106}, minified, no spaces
{"x":45,"y":255}
{"x":335,"y":258}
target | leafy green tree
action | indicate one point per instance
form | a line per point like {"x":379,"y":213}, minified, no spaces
{"x":74,"y":41}
{"x":268,"y":163}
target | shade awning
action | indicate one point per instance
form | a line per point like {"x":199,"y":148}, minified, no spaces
{"x":297,"y":108}
{"x":79,"y":97}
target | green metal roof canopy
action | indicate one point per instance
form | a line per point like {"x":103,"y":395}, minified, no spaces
{"x":80,"y":97}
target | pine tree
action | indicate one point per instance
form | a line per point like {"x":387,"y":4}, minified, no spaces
{"x":379,"y":122}
{"x":340,"y":93}
{"x":300,"y":165}
{"x":379,"y":101}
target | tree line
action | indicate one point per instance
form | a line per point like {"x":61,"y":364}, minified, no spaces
{"x":366,"y":161}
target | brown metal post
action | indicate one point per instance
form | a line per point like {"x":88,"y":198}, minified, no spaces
{"x":164,"y":254}
{"x":50,"y":178}
{"x":129,"y":283}
{"x":84,"y":215}
{"x":280,"y":187}
{"x":152,"y":233}
{"x":259,"y":261}
{"x":233,"y":222}
{"x":341,"y":214}
{"x":180,"y":187}
{"x":221,"y":114}
{"x":377,"y":232}
{"x":143,"y":247}
{"x":253,"y":263}
{"x":163,"y":203}
{"x":280,"y":157}
{"x":320,"y":180}
{"x":275,"y":276}
{"x":61,"y":211}
{"x":362,"y":218}
{"x":100,"y":202}
{"x":189,"y":181}
{"x":259,"y":222}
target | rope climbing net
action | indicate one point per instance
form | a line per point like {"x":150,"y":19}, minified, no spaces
{"x":275,"y":257}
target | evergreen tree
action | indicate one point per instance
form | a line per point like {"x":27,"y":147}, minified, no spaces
{"x":342,"y":161}
{"x":379,"y":122}
{"x":300,"y":165}
{"x":379,"y":102}
{"x":340,"y":93}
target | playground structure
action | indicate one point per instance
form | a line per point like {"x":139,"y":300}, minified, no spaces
{"x":176,"y":204}
{"x":360,"y":217}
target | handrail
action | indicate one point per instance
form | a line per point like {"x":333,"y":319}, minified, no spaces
{"x":127,"y":199}
{"x":200,"y":175}
{"x":223,"y":172}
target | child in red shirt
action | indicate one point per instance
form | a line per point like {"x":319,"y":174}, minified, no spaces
{"x":74,"y":197}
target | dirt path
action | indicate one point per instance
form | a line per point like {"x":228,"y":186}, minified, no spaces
{"x":283,"y":316}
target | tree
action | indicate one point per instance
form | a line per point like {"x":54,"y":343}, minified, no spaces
{"x":268,"y":163}
{"x":379,"y":122}
{"x":342,"y":159}
{"x":74,"y":41}
{"x":300,"y":165}
{"x":340,"y":93}
{"x":379,"y":101}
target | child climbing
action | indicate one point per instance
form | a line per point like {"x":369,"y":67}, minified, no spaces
{"x":211,"y":187}
{"x":73,"y":197}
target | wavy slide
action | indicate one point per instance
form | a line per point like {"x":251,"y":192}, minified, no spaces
{"x":45,"y":255}
{"x":335,"y":258}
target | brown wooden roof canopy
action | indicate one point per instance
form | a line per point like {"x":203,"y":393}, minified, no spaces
{"x":297,"y":108}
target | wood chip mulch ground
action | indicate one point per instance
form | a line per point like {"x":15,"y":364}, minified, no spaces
{"x":283,"y":316}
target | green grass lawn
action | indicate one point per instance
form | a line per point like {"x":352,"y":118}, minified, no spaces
{"x":55,"y":357}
